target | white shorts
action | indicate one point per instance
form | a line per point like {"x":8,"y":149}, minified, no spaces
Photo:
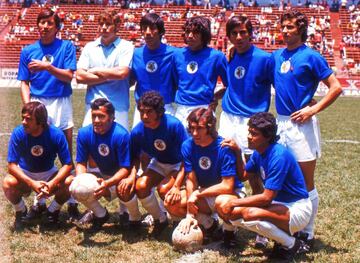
{"x":303,"y":140}
{"x":163,"y":168}
{"x":43,"y":176}
{"x":235,"y":127}
{"x":169,"y":109}
{"x":60,"y":112}
{"x":241,"y":192}
{"x":121,"y":117}
{"x":183,"y":111}
{"x":300,"y":213}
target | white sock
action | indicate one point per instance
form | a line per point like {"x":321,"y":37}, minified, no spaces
{"x":162,"y":206}
{"x":205,"y":220}
{"x":54,"y":206}
{"x":20,"y":206}
{"x":40,"y":201}
{"x":96,"y":208}
{"x":133,"y":208}
{"x":122,"y":208}
{"x":268,"y":230}
{"x":151,"y":205}
{"x":72,"y":200}
{"x":309,"y":229}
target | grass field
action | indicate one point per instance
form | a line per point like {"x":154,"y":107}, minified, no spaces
{"x":337,"y":232}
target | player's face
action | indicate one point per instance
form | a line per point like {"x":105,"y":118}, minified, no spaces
{"x":151,"y":36}
{"x":30,"y":124}
{"x":256,"y":140}
{"x":101,"y":120}
{"x":149,"y":117}
{"x":107,"y":31}
{"x":240,"y":38}
{"x":290,"y":32}
{"x":47,"y":29}
{"x":199,"y":133}
{"x":193,"y":40}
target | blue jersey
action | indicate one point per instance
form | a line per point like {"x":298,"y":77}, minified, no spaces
{"x":297,"y":74}
{"x":61,"y":54}
{"x":249,"y":86}
{"x":280,"y":172}
{"x":210,"y":163}
{"x":163,"y":143}
{"x":154,"y":70}
{"x":37,"y":154}
{"x":197,"y":74}
{"x":110,"y":151}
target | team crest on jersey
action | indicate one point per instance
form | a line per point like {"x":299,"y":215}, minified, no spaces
{"x":285,"y":66}
{"x":103,"y":149}
{"x":262,"y":173}
{"x":192,"y":67}
{"x":239,"y":72}
{"x":151,"y":66}
{"x":205,"y":163}
{"x":48,"y":58}
{"x":160,"y":145}
{"x":37,"y":150}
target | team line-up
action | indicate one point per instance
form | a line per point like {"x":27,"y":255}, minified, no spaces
{"x":174,"y":147}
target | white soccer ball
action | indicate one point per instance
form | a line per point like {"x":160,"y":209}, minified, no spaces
{"x":83,"y":186}
{"x":189,"y":242}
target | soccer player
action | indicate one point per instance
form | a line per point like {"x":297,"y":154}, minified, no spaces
{"x":46,"y":69}
{"x":33,"y":148}
{"x":198,"y":68}
{"x":284,"y":207}
{"x":104,"y":65}
{"x":108,"y":143}
{"x":153,"y":66}
{"x":248,"y":90}
{"x":297,"y":72}
{"x":210,"y":171}
{"x":160,"y":136}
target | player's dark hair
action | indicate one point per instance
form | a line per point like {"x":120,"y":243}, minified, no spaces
{"x":46,"y":13}
{"x":201,"y":25}
{"x":265,"y":122}
{"x":102,"y":102}
{"x":205,"y":117}
{"x":237,"y":21}
{"x":109,"y":17}
{"x":301,"y":21}
{"x":38,"y":110}
{"x":152,"y":19}
{"x":154,"y":100}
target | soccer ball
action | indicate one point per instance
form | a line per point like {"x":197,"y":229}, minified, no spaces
{"x":189,"y":242}
{"x":83,"y":186}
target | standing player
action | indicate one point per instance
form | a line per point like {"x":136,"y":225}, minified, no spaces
{"x":210,"y":171}
{"x":160,"y":136}
{"x":46,"y":69}
{"x":107,"y":142}
{"x":249,"y":87}
{"x":104,"y":65}
{"x":198,"y":68}
{"x":284,"y":207}
{"x":33,"y":148}
{"x":153,"y":67}
{"x":297,"y":72}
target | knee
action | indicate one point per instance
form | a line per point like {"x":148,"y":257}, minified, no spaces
{"x":162,"y":190}
{"x":125,"y":197}
{"x":220,"y":202}
{"x":10,"y":182}
{"x":142,"y":189}
{"x":68,"y":181}
{"x":250,"y":214}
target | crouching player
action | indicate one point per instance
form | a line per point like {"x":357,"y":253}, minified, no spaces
{"x":160,"y":136}
{"x":210,"y":171}
{"x":108,"y":143}
{"x":33,"y":148}
{"x":283,"y":207}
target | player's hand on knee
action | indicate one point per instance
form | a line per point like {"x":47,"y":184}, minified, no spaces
{"x":225,"y":211}
{"x":100,"y":191}
{"x":126,"y":186}
{"x":191,"y":203}
{"x":173,"y":196}
{"x":186,"y":224}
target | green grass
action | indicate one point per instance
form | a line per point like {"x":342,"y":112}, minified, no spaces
{"x":337,"y":228}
